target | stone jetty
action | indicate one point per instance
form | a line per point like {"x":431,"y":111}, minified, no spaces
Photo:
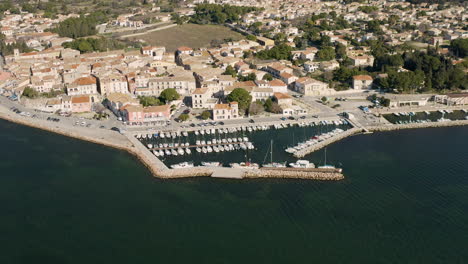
{"x":291,"y":173}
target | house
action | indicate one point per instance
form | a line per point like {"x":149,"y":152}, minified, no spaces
{"x":311,"y":87}
{"x":259,"y":93}
{"x":139,"y":115}
{"x":116,"y":101}
{"x":156,"y":52}
{"x":278,"y":86}
{"x":284,"y":100}
{"x":81,"y":104}
{"x":364,"y":60}
{"x":83,"y":86}
{"x":226,"y":111}
{"x":361,"y":82}
{"x":113,"y":83}
{"x":201,"y":98}
{"x":7,"y":31}
{"x":265,"y":41}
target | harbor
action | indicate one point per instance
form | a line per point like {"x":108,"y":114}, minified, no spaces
{"x":251,"y":150}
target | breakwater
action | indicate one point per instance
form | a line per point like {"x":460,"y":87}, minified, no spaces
{"x":390,"y":127}
{"x":303,"y":152}
{"x":291,"y":173}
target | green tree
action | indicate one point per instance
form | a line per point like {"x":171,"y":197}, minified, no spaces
{"x":325,"y":54}
{"x":230,"y":71}
{"x":168,"y":95}
{"x":205,"y":115}
{"x":241,"y":96}
{"x":251,"y":37}
{"x":459,"y":47}
{"x":267,"y":77}
{"x":30,"y":92}
{"x":184,"y":117}
{"x":268,"y":105}
{"x":149,"y":101}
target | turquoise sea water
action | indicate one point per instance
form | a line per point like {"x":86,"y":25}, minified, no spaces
{"x":404,"y":200}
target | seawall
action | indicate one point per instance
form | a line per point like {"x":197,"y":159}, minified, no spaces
{"x":288,"y":173}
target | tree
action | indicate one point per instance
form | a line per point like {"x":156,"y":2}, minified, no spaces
{"x":168,"y":95}
{"x":278,"y":52}
{"x":276,"y":108}
{"x":460,"y":47}
{"x":149,"y":101}
{"x":241,"y":96}
{"x":267,"y":77}
{"x":183,"y":117}
{"x":230,"y":71}
{"x":324,"y":99}
{"x":340,"y":51}
{"x":30,"y":92}
{"x":205,"y":115}
{"x":268,"y":105}
{"x":325,"y":54}
{"x":251,"y":37}
{"x":250,"y":77}
{"x":256,"y":108}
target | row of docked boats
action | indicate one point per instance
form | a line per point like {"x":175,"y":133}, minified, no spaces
{"x":173,"y":134}
{"x":407,"y":113}
{"x":224,"y":147}
{"x":314,"y":140}
{"x":172,"y":152}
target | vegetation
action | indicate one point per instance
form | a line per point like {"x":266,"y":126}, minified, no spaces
{"x":219,"y":14}
{"x":30,"y":93}
{"x":80,"y":27}
{"x":242,"y":97}
{"x":191,"y":35}
{"x":85,"y":45}
{"x":230,"y":71}
{"x":250,"y":77}
{"x":326,"y":53}
{"x":278,"y":52}
{"x":205,"y":115}
{"x":168,"y":95}
{"x":184,"y":117}
{"x":460,"y":47}
{"x":256,"y":108}
{"x":149,"y":101}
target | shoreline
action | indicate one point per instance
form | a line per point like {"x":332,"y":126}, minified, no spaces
{"x":128,"y":143}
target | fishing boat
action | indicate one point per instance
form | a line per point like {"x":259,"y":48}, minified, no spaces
{"x":182,"y":165}
{"x":211,"y":164}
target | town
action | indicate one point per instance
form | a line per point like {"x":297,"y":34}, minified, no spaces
{"x":292,"y":62}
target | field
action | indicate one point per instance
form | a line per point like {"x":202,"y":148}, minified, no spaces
{"x":191,"y":35}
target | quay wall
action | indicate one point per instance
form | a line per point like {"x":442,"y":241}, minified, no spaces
{"x":417,"y":125}
{"x":293,"y":174}
{"x":310,"y":149}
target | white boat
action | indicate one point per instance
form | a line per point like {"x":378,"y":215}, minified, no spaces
{"x":216,"y":149}
{"x":427,"y":112}
{"x":202,"y":132}
{"x":197,"y":133}
{"x":213,"y":131}
{"x":161,"y":152}
{"x":303,"y":164}
{"x":188,"y":151}
{"x":273,"y":164}
{"x":182,"y":165}
{"x":174,"y":152}
{"x":221,"y":148}
{"x":211,"y":164}
{"x":156,"y":153}
{"x":168,"y":152}
{"x":244,"y":165}
{"x":204,"y":150}
{"x":150,"y":146}
{"x":198,"y":150}
{"x":185,"y":133}
{"x":208,"y":132}
{"x":162,"y":135}
{"x":209,"y":149}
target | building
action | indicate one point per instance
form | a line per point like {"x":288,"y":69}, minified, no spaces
{"x":113,"y":83}
{"x":83,"y":86}
{"x":226,"y":111}
{"x":311,"y":87}
{"x":361,"y":82}
{"x":201,"y":98}
{"x":407,"y":100}
{"x":116,"y":101}
{"x":452,"y":99}
{"x":265,"y":41}
{"x":81,"y":104}
{"x":284,"y":100}
{"x":364,"y":60}
{"x":139,"y":115}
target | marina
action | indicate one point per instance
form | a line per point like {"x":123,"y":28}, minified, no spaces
{"x":440,"y":115}
{"x":245,"y":147}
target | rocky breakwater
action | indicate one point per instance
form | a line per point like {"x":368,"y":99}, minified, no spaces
{"x":390,"y":127}
{"x":303,"y":152}
{"x":292,"y":173}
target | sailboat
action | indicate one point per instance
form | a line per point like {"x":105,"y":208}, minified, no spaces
{"x":329,"y":167}
{"x":273,"y":164}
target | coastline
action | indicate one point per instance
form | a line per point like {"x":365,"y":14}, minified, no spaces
{"x":130,"y":144}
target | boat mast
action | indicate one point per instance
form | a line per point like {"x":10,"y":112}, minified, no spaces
{"x":271,"y":151}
